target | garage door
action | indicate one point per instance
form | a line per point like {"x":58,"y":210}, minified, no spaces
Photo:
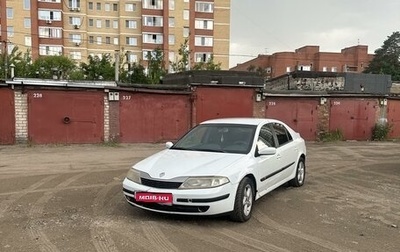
{"x":355,"y":118}
{"x":65,"y":116}
{"x":299,"y":114}
{"x":394,"y":118}
{"x":222,"y":102}
{"x":152,"y":118}
{"x":7,"y":113}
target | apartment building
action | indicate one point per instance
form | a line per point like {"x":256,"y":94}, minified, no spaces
{"x":309,"y":58}
{"x":131,"y":28}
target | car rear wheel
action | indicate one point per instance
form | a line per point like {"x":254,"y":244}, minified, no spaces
{"x":244,"y":201}
{"x":300,"y":174}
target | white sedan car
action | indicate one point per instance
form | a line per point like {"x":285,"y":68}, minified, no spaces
{"x":219,"y":166}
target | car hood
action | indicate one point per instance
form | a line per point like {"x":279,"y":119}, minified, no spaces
{"x":169,"y":164}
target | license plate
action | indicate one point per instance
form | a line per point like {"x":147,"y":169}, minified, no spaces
{"x":165,"y":198}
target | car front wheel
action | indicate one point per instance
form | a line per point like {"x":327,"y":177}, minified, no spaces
{"x":300,"y":174}
{"x":244,"y":201}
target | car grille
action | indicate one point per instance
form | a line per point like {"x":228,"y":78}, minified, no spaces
{"x":160,"y":184}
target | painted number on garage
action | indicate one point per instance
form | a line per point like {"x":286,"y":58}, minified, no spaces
{"x":126,"y":97}
{"x":37,"y":95}
{"x":336,"y":103}
{"x":271,"y":103}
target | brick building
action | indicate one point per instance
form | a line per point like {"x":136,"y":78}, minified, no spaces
{"x":78,"y":28}
{"x":309,"y":58}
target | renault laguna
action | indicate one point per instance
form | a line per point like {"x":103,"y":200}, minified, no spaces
{"x":221,"y":166}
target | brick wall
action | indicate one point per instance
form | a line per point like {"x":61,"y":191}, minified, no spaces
{"x":21,"y":116}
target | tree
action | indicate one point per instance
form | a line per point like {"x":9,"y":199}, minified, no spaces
{"x":47,"y":67}
{"x":8,"y":59}
{"x":156,"y":66}
{"x":387,"y":58}
{"x":99,"y":68}
{"x":208,"y":65}
{"x":183,"y":63}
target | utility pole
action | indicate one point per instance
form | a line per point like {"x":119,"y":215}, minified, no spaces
{"x":5,"y":55}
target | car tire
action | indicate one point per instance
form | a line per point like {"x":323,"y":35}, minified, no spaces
{"x":300,"y":174}
{"x":244,"y":201}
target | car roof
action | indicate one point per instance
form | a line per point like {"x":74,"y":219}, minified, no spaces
{"x":241,"y":120}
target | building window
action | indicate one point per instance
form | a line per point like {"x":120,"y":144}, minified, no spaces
{"x":153,"y":4}
{"x":130,"y":7}
{"x":74,"y":4}
{"x":108,"y":23}
{"x":131,"y":41}
{"x":108,"y":40}
{"x":185,"y":14}
{"x":171,"y":4}
{"x":186,"y":32}
{"x":99,"y":40}
{"x":324,"y":69}
{"x":75,"y":21}
{"x":50,"y":50}
{"x":50,"y":1}
{"x":132,"y":57}
{"x":115,"y":7}
{"x":116,"y":41}
{"x":204,"y":7}
{"x":98,"y":23}
{"x":27,"y":4}
{"x":28,"y":41}
{"x":147,"y":53}
{"x":27,"y":22}
{"x":10,"y":12}
{"x":91,"y":39}
{"x":49,"y":15}
{"x":49,"y":32}
{"x":334,"y":69}
{"x":171,"y":56}
{"x":75,"y":55}
{"x":171,"y":39}
{"x":288,"y":70}
{"x":152,"y":38}
{"x":91,"y":22}
{"x":98,"y":6}
{"x":152,"y":21}
{"x":75,"y":38}
{"x":115,"y":24}
{"x":171,"y":22}
{"x":90,"y":6}
{"x":10,"y":31}
{"x":107,"y":7}
{"x":202,"y":57}
{"x":131,"y":24}
{"x":203,"y":41}
{"x":204,"y":24}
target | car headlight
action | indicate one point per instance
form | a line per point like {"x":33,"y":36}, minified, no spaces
{"x":203,"y":182}
{"x":134,"y":175}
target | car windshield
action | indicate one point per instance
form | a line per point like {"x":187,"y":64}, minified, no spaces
{"x":226,"y":138}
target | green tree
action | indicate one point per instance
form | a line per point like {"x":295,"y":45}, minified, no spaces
{"x":9,"y":59}
{"x":182,"y":64}
{"x":387,"y":58}
{"x":47,"y":67}
{"x":208,"y":65}
{"x":156,"y":66}
{"x":99,"y":68}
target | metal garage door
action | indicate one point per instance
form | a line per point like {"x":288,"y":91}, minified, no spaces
{"x":222,"y":102}
{"x":394,"y":118}
{"x":355,"y":118}
{"x":300,"y":114}
{"x":65,"y":116}
{"x":151,"y":118}
{"x":7,"y":113}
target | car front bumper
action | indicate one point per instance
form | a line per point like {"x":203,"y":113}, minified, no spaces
{"x":211,"y":201}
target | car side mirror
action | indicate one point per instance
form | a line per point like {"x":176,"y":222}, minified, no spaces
{"x":267,"y":151}
{"x":168,"y":145}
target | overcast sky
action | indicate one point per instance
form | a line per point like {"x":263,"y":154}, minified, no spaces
{"x":270,"y":26}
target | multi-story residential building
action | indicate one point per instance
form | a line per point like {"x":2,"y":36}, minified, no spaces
{"x":131,"y":28}
{"x":309,"y":58}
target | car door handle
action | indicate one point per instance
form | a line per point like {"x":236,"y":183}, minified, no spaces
{"x":278,"y":156}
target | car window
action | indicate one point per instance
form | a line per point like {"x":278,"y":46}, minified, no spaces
{"x":266,"y":137}
{"x":282,"y":134}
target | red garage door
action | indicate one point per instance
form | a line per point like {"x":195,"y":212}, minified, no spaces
{"x":355,"y":118}
{"x":394,"y":118}
{"x":299,"y":114}
{"x":65,"y":116}
{"x":151,"y":118}
{"x":219,"y":102}
{"x":7,"y":113}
